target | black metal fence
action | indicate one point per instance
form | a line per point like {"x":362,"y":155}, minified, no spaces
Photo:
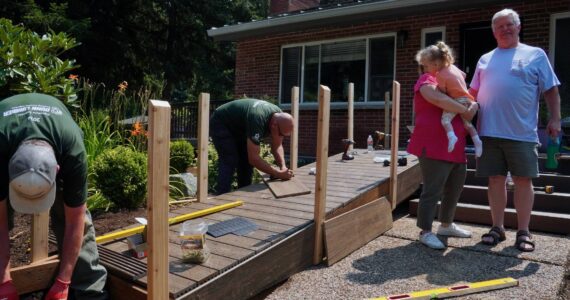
{"x":184,"y":119}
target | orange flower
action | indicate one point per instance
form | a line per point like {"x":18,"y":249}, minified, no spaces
{"x":74,"y":77}
{"x":138,"y":129}
{"x":123,"y":86}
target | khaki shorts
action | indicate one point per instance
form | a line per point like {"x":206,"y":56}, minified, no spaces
{"x":503,"y":155}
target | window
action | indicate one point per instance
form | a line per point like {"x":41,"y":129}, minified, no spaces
{"x":368,"y":62}
{"x":432,"y":35}
{"x":559,"y":49}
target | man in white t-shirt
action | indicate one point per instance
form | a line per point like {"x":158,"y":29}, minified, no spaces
{"x":508,"y":84}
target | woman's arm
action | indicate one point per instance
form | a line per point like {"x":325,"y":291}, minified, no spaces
{"x":441,"y":100}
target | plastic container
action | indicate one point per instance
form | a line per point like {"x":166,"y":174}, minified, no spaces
{"x":552,"y":149}
{"x":370,"y":144}
{"x":193,"y":241}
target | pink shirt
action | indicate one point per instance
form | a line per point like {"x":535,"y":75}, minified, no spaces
{"x":429,"y":138}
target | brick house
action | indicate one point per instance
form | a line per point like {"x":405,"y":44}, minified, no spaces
{"x":371,"y":43}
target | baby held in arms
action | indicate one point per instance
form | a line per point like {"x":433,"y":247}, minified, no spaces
{"x":451,"y":81}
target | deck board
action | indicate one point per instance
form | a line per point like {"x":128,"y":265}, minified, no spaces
{"x":241,"y":266}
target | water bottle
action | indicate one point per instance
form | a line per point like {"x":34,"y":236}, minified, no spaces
{"x":370,"y":143}
{"x":552,"y":149}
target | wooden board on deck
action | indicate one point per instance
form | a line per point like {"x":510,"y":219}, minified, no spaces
{"x":348,"y":232}
{"x":284,"y":188}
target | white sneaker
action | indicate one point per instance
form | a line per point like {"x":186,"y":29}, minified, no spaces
{"x":429,"y":239}
{"x":454,"y":230}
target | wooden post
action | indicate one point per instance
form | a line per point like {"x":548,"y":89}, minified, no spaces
{"x":387,"y":119}
{"x":157,"y":204}
{"x":203,"y":133}
{"x":350,"y":113}
{"x":322,"y":163}
{"x":40,"y":231}
{"x":293,"y":153}
{"x":395,"y":137}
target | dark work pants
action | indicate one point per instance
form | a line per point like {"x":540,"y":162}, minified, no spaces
{"x":232,"y":156}
{"x":89,"y":276}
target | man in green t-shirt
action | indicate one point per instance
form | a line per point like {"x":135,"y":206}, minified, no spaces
{"x":237,"y":129}
{"x":43,"y":166}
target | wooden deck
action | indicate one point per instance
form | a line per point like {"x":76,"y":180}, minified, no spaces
{"x":242,"y":266}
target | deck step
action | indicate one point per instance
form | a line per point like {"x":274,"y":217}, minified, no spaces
{"x":555,"y":202}
{"x":561,"y":183}
{"x":481,"y":214}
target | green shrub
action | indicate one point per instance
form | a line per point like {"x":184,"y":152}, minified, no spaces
{"x":121,"y":176}
{"x":181,"y":156}
{"x":30,"y":63}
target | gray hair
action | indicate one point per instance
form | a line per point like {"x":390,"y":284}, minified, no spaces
{"x":507,"y":12}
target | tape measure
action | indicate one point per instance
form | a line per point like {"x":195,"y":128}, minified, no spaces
{"x":457,"y":290}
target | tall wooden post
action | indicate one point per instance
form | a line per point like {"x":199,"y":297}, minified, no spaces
{"x":350,"y":113}
{"x":394,"y":150}
{"x":322,"y":164}
{"x":157,"y":204}
{"x":293,"y":153}
{"x":387,"y":119}
{"x":203,"y":133}
{"x":40,"y":231}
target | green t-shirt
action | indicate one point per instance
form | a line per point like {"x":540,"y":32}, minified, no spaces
{"x":38,"y":116}
{"x":247,"y":118}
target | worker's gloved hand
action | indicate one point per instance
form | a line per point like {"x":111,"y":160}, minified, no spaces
{"x":8,"y":291}
{"x":59,"y":290}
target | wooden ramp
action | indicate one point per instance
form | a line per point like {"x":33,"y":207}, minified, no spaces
{"x":242,"y":266}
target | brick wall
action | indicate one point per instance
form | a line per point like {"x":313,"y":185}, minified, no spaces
{"x":258,"y":60}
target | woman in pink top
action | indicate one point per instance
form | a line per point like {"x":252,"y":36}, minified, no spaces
{"x":443,"y":171}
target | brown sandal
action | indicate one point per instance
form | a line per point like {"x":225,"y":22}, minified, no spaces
{"x":496,"y":233}
{"x":521,"y":241}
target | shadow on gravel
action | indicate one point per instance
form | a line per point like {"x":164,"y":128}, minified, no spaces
{"x":441,"y":268}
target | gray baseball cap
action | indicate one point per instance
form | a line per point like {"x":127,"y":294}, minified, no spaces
{"x":32,"y":172}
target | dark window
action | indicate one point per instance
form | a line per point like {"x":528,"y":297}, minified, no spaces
{"x":562,"y":62}
{"x":335,"y":65}
{"x":291,"y":72}
{"x":431,"y":38}
{"x":381,"y":68}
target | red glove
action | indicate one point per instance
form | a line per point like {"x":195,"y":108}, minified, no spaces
{"x":8,"y":291}
{"x":58,"y":290}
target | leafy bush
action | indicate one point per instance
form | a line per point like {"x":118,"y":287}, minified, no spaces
{"x":121,"y":175}
{"x":265,"y":153}
{"x":30,"y":63}
{"x":181,"y":156}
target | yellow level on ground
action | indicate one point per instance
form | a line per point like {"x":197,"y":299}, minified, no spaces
{"x":457,"y":290}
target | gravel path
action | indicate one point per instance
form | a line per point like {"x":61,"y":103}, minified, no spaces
{"x":396,"y":263}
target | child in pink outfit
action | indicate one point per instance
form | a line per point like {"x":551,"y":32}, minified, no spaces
{"x":451,"y":81}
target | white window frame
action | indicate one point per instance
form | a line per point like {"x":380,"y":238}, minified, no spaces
{"x":338,"y":105}
{"x":552,"y":42}
{"x":427,"y":30}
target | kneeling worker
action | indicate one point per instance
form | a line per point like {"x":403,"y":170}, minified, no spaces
{"x":237,"y":129}
{"x":43,"y":166}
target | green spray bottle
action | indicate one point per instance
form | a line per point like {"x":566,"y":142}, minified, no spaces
{"x":552,"y":149}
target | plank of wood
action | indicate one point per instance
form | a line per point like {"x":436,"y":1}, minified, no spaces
{"x":322,"y":167}
{"x":121,"y":289}
{"x":203,"y":134}
{"x":394,"y":148}
{"x":284,"y":188}
{"x":157,"y":206}
{"x":351,"y":230}
{"x":294,"y":149}
{"x":40,"y":228}
{"x":35,"y":277}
